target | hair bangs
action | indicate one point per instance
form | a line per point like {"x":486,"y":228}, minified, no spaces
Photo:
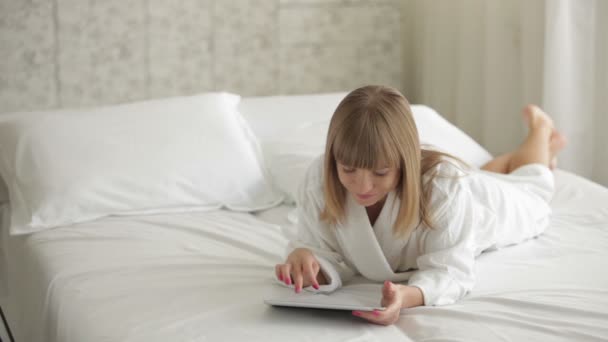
{"x":366,"y":143}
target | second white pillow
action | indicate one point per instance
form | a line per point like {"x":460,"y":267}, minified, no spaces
{"x":292,"y":132}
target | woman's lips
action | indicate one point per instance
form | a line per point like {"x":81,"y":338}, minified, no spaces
{"x":365,"y":196}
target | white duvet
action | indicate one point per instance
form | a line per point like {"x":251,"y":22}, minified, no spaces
{"x":202,"y":277}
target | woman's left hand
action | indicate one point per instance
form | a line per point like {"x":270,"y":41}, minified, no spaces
{"x":392,"y":300}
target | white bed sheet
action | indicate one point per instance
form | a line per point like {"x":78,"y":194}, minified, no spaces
{"x":202,"y":276}
{"x":284,"y":215}
{"x":182,"y":277}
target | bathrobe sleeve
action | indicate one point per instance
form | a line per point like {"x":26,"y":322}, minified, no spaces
{"x":320,"y":238}
{"x":447,"y":252}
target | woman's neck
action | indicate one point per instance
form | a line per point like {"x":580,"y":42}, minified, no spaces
{"x":373,"y":211}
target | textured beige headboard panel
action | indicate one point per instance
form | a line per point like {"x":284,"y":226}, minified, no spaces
{"x":64,"y":53}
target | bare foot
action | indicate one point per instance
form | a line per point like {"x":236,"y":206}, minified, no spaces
{"x":557,"y":143}
{"x":537,"y":119}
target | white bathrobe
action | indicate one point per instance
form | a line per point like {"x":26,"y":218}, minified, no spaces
{"x":474,"y":211}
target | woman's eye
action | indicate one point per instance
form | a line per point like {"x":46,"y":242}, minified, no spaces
{"x":381,"y":173}
{"x":348,"y":169}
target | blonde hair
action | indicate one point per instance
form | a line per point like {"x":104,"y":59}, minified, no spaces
{"x":374,"y":125}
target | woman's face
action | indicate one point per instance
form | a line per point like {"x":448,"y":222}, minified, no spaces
{"x":368,"y":186}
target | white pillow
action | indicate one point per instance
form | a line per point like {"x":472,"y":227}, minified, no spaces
{"x":436,"y":131}
{"x":169,"y":155}
{"x":292,"y":132}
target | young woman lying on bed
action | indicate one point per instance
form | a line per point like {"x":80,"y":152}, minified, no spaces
{"x":379,"y":205}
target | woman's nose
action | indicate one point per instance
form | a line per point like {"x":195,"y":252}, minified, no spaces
{"x":363,"y":183}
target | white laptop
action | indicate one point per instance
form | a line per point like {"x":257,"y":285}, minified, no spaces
{"x":361,"y":297}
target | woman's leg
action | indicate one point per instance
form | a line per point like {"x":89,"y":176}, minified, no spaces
{"x":499,"y":164}
{"x":540,"y":146}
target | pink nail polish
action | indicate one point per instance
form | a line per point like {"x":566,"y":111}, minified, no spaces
{"x":376,"y":313}
{"x":298,"y":290}
{"x":288,"y":281}
{"x":356,"y":313}
{"x":315,"y":286}
{"x":280,"y":277}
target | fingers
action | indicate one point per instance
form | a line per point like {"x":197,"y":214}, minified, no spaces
{"x":310,"y":272}
{"x":277,"y":272}
{"x":301,"y":267}
{"x":283,"y":273}
{"x":376,"y":317}
{"x":297,"y":277}
{"x":388,"y":293}
{"x":387,"y":290}
{"x":391,"y":301}
{"x":386,"y":317}
{"x":301,"y":277}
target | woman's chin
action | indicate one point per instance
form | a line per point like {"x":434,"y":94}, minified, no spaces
{"x":366,"y":202}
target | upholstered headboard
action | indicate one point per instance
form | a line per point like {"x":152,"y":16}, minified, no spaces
{"x":65,"y":53}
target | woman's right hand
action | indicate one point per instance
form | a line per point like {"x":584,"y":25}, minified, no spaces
{"x":301,"y":266}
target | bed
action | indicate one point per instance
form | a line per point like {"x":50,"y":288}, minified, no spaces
{"x":200,"y":274}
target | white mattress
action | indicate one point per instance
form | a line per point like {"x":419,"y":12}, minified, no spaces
{"x":202,"y":276}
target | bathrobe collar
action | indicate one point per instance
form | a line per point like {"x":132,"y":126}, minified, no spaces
{"x":373,"y":250}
